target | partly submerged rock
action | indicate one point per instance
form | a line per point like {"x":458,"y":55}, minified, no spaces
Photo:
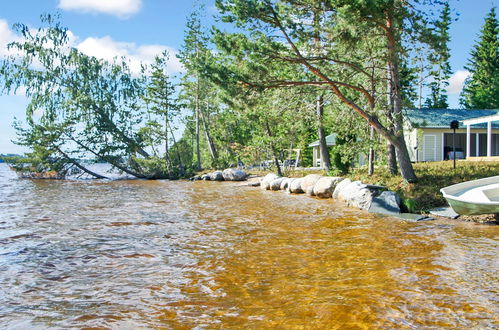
{"x":356,"y":194}
{"x":232,"y":174}
{"x":285,"y":183}
{"x":340,"y":186}
{"x":265,"y":183}
{"x":310,"y":191}
{"x":324,"y":187}
{"x":295,"y":186}
{"x":309,"y":181}
{"x":388,"y":202}
{"x":276,"y":184}
{"x":206,"y":177}
{"x":446,"y":212}
{"x":216,"y":176}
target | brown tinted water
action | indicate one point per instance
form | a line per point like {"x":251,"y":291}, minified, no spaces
{"x":159,"y":254}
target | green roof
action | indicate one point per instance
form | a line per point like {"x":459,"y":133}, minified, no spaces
{"x":330,"y":141}
{"x":441,"y":118}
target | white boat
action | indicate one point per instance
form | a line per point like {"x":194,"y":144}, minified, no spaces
{"x":474,"y":197}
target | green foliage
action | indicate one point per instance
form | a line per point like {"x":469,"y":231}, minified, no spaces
{"x":481,"y":89}
{"x":439,"y":59}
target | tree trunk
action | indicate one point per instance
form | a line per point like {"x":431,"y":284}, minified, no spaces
{"x":404,"y":161}
{"x":392,"y":159}
{"x":325,"y":160}
{"x":370,"y":165}
{"x":211,"y":144}
{"x":81,"y":167}
{"x":274,"y":151}
{"x":198,"y":152}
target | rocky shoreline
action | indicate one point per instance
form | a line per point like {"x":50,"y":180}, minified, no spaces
{"x":372,"y":198}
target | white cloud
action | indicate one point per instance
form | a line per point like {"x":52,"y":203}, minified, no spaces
{"x":108,"y":49}
{"x":103,"y":48}
{"x":456,"y":81}
{"x":6,"y":37}
{"x":119,"y":8}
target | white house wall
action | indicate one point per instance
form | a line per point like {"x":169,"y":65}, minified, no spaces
{"x":411,"y":136}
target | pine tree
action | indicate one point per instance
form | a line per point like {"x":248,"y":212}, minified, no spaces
{"x":481,"y":89}
{"x":440,"y":60}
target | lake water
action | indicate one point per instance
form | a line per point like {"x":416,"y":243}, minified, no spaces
{"x":161,"y":254}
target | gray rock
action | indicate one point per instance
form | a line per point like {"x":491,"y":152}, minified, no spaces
{"x":231,"y":174}
{"x":205,"y":177}
{"x":356,"y":194}
{"x":254,"y":184}
{"x":388,"y":202}
{"x":265,"y":183}
{"x":340,"y":186}
{"x":324,"y":187}
{"x":309,"y":181}
{"x":276,"y":184}
{"x":295,"y":186}
{"x":446,"y":212}
{"x":285,"y":184}
{"x":217,"y":176}
{"x":310,"y":191}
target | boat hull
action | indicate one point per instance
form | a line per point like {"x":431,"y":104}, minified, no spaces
{"x":467,"y":208}
{"x":474,"y":197}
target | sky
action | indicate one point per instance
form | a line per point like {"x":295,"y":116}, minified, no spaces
{"x":140,"y":29}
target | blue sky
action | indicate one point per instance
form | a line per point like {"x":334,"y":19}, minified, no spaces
{"x":139,"y":29}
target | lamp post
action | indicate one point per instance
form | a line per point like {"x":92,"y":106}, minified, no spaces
{"x":454,"y":125}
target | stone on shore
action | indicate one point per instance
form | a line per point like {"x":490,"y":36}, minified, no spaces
{"x":205,"y":177}
{"x":356,"y":194}
{"x":388,"y":202}
{"x":216,"y":176}
{"x":340,"y":186}
{"x":295,"y":186}
{"x":232,"y":174}
{"x":310,"y":191}
{"x":276,"y":184}
{"x":309,"y":181}
{"x":265,"y":183}
{"x":285,"y":184}
{"x":324,"y":187}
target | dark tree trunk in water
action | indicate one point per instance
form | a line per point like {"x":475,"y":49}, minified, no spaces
{"x":325,"y":160}
{"x":81,"y":167}
{"x":274,"y":152}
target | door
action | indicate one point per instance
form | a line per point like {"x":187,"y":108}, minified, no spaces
{"x":429,"y":148}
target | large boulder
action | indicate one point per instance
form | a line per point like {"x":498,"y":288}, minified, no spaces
{"x":325,"y":186}
{"x":309,"y":181}
{"x":265,"y":183}
{"x":276,"y":184}
{"x":310,"y":191}
{"x":340,"y":186}
{"x":356,"y":194}
{"x":217,"y":176}
{"x":285,"y":184}
{"x":295,"y":186}
{"x":388,"y":202}
{"x":232,"y":174}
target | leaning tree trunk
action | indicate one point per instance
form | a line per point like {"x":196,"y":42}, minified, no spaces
{"x":211,"y":144}
{"x":198,"y":152}
{"x":77,"y":164}
{"x":325,"y":159}
{"x":403,"y":158}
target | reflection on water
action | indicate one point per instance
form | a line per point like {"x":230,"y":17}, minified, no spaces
{"x":132,"y":254}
